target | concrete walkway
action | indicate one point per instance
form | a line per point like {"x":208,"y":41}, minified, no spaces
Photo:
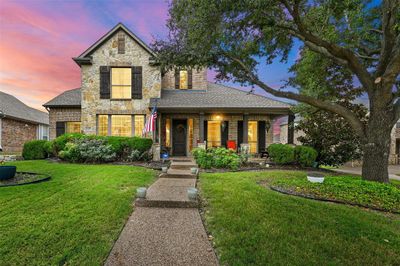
{"x":393,"y":171}
{"x":166,"y":227}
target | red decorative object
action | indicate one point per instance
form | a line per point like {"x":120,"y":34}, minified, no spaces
{"x":231,"y":145}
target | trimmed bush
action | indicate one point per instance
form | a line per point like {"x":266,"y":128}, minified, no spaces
{"x":217,"y":158}
{"x":35,"y":150}
{"x":281,"y":153}
{"x":88,"y":150}
{"x":305,"y":156}
{"x":60,"y":142}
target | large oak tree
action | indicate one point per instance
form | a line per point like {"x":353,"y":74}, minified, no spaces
{"x":235,"y":36}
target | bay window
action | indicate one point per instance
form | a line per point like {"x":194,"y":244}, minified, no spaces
{"x":103,"y":125}
{"x":139,"y":125}
{"x":121,"y":125}
{"x":121,"y":83}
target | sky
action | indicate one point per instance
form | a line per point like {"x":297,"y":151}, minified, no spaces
{"x":38,"y":39}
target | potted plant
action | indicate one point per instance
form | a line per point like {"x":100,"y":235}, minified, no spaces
{"x":7,"y":171}
{"x":315,"y":177}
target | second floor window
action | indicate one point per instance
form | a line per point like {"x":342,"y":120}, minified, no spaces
{"x":121,"y":83}
{"x":183,"y":79}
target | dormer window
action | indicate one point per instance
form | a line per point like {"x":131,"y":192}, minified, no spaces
{"x":121,"y":83}
{"x":183,"y":79}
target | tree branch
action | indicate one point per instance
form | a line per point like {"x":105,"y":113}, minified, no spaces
{"x":321,"y":104}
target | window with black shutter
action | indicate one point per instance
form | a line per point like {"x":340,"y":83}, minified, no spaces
{"x":224,"y":133}
{"x":261,"y":136}
{"x":60,"y":128}
{"x":183,"y":79}
{"x":104,"y":82}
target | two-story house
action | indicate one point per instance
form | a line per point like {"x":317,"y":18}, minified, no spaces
{"x":120,"y":86}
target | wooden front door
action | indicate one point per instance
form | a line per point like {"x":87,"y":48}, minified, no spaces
{"x":179,"y":137}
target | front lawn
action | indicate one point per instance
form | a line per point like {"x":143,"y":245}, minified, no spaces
{"x":72,"y":219}
{"x":253,"y":225}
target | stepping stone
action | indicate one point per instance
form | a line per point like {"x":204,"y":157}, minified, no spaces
{"x":182,"y":165}
{"x":178,"y":173}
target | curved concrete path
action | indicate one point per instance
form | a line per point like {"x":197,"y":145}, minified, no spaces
{"x":161,"y":235}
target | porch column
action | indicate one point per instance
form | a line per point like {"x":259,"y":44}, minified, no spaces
{"x":201,"y":127}
{"x":290,"y":137}
{"x":245,"y":128}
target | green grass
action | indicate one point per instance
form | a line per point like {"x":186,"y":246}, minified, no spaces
{"x":253,"y":225}
{"x":72,"y":219}
{"x":347,"y":189}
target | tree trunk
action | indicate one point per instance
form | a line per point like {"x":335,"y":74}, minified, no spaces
{"x":376,"y":147}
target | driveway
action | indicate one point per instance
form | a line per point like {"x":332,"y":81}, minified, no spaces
{"x":394,"y":171}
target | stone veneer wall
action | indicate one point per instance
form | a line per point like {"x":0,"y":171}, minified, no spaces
{"x":107,"y":55}
{"x":283,"y":135}
{"x":15,"y":133}
{"x":393,"y":157}
{"x":231,"y":118}
{"x":62,"y":115}
{"x":199,"y":80}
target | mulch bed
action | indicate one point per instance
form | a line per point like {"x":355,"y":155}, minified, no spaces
{"x":313,"y":197}
{"x":24,"y":178}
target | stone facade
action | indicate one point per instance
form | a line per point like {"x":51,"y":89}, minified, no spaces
{"x":283,"y":135}
{"x":394,"y":143}
{"x":107,"y":55}
{"x":15,"y":133}
{"x":62,"y":115}
{"x":199,"y":80}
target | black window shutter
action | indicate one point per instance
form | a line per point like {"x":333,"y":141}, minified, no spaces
{"x":205,"y":130}
{"x":137,"y":82}
{"x":240,"y":133}
{"x":177,"y":79}
{"x":104,"y":82}
{"x":190,"y":80}
{"x":261,"y":136}
{"x":60,"y":128}
{"x":224,"y":133}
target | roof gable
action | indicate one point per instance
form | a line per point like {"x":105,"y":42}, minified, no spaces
{"x":84,"y":58}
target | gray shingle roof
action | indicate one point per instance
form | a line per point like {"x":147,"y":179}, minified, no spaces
{"x":14,"y":108}
{"x":71,"y":98}
{"x":216,"y":96}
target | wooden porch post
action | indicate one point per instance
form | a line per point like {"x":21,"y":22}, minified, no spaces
{"x":245,"y":128}
{"x":201,"y":128}
{"x":290,"y":128}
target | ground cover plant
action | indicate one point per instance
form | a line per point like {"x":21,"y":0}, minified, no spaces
{"x":253,"y":225}
{"x":73,"y":219}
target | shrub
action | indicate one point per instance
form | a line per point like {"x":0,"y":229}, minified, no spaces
{"x":218,"y":158}
{"x":48,"y":146}
{"x":35,"y":150}
{"x":88,"y":150}
{"x":60,"y":142}
{"x":137,"y":155}
{"x":123,"y":146}
{"x":305,"y":156}
{"x":281,"y":153}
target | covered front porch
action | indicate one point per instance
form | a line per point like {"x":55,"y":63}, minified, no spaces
{"x":179,"y":133}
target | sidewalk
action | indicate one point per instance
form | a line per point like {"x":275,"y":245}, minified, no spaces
{"x":160,"y":235}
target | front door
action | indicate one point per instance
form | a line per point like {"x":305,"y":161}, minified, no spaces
{"x":179,"y":137}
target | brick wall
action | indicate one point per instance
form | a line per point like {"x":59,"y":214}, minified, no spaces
{"x":199,"y":80}
{"x":15,"y":133}
{"x":62,"y":115}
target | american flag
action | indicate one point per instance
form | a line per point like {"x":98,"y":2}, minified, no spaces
{"x":151,"y":122}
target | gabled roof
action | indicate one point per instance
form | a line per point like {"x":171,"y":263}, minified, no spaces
{"x":71,"y":98}
{"x":85,"y":58}
{"x":14,"y":108}
{"x":217,"y":96}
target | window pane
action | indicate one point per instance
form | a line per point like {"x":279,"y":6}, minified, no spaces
{"x":139,"y":125}
{"x":73,"y":127}
{"x":103,"y":125}
{"x":121,"y":92}
{"x":121,"y":125}
{"x":213,"y":134}
{"x":121,"y":83}
{"x":253,"y":140}
{"x":183,"y":79}
{"x":121,"y":76}
{"x":168,"y":132}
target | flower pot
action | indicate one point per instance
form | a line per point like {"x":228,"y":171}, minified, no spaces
{"x":193,"y":170}
{"x":141,"y":192}
{"x":315,"y":177}
{"x":192,"y":193}
{"x":164,"y":169}
{"x":7,"y":172}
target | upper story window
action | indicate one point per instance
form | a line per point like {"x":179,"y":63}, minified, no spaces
{"x":121,"y":83}
{"x":183,"y":79}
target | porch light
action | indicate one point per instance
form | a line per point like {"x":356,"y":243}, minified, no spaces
{"x":267,"y":125}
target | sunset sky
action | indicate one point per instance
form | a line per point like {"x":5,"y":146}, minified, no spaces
{"x":39,"y":38}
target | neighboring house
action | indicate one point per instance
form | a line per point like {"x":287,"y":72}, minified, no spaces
{"x":284,"y":131}
{"x":395,"y":144}
{"x":20,"y":123}
{"x":120,"y":86}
